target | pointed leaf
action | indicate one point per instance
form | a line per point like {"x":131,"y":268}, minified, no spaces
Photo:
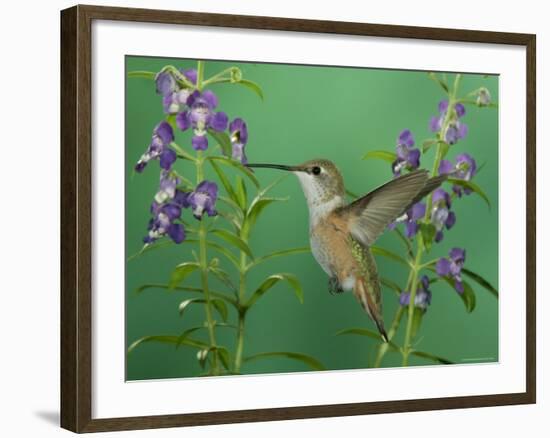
{"x":236,"y":165}
{"x":254,"y":212}
{"x":234,"y":240}
{"x":432,"y":357}
{"x":388,"y":156}
{"x":165,"y":339}
{"x":224,"y":277}
{"x":185,"y":303}
{"x":427,"y":232}
{"x":252,"y":86}
{"x":223,"y":250}
{"x":481,"y":281}
{"x":151,"y":247}
{"x":241,"y":192}
{"x":213,"y":293}
{"x":142,"y":74}
{"x":223,"y":140}
{"x":368,"y":333}
{"x":377,"y":250}
{"x":271,"y":281}
{"x":473,"y":187}
{"x":225,"y":182}
{"x":439,"y":81}
{"x":282,"y":253}
{"x":221,"y":307}
{"x":391,"y":285}
{"x":468,"y":297}
{"x":308,"y":360}
{"x":181,"y":272}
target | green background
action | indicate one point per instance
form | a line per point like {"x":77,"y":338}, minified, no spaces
{"x":313,"y":112}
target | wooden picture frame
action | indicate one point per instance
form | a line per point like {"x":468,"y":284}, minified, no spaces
{"x":76,"y":217}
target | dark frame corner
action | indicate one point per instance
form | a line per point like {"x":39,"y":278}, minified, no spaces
{"x":76,"y":222}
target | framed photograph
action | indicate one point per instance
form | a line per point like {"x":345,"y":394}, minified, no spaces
{"x":268,"y":218}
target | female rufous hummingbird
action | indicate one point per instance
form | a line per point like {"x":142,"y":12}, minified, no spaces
{"x":341,"y":234}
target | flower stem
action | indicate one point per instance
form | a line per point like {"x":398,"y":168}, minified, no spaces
{"x":417,"y":265}
{"x":241,"y":310}
{"x":383,"y":349}
{"x":203,"y":261}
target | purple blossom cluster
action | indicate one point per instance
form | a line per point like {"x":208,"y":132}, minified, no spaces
{"x":197,"y":111}
{"x":451,"y":267}
{"x":455,"y":129}
{"x":423,"y":296}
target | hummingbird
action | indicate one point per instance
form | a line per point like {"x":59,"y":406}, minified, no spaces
{"x":341,"y":234}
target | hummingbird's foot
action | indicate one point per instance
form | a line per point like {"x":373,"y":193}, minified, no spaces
{"x":334,"y":286}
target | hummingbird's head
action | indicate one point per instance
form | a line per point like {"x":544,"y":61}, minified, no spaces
{"x":321,"y":181}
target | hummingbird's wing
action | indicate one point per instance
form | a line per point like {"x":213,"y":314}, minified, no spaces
{"x":368,"y":216}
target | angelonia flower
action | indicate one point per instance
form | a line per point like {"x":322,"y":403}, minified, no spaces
{"x":174,"y":96}
{"x":456,"y":129}
{"x":441,"y":216}
{"x":451,"y":267}
{"x":163,"y":135}
{"x":407,"y":157}
{"x":238,"y":133}
{"x":166,"y":209}
{"x":202,"y":199}
{"x":410,"y":219}
{"x":423,"y":296}
{"x":483,"y":97}
{"x":465,"y":169}
{"x":201,"y":116}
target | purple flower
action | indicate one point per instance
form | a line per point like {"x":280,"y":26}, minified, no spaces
{"x":410,"y":219}
{"x":201,"y":117}
{"x":238,"y":133}
{"x":173,"y":95}
{"x":166,"y":209}
{"x":203,"y":199}
{"x":407,"y":156}
{"x":455,"y":129}
{"x":159,"y":148}
{"x":464,"y":169}
{"x":451,"y":267}
{"x":441,"y":216}
{"x":423,"y":296}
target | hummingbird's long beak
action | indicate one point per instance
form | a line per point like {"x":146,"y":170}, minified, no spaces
{"x":276,"y":166}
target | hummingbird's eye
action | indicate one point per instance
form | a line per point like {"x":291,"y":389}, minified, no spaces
{"x":316,"y":170}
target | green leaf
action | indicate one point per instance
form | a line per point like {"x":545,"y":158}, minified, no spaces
{"x":388,"y":156}
{"x":224,"y":277}
{"x":368,"y":333}
{"x":181,"y":272}
{"x":468,"y":297}
{"x":377,"y":250}
{"x":225,"y":252}
{"x":225,"y":182}
{"x":417,"y":321}
{"x":281,"y":253}
{"x":241,"y":192}
{"x":234,"y":240}
{"x":391,"y":285}
{"x":427,"y":144}
{"x":223,"y":140}
{"x":165,"y":339}
{"x":473,"y":187}
{"x":439,"y":81}
{"x":221,"y":307}
{"x":142,"y":74}
{"x":223,"y":354}
{"x":427,"y":231}
{"x":213,"y":293}
{"x":184,"y":337}
{"x":481,"y":281}
{"x":218,"y":304}
{"x":252,"y":86}
{"x":304,"y":358}
{"x":236,"y":165}
{"x":271,"y":281}
{"x":151,"y":247}
{"x":254,"y":211}
{"x":432,"y":357}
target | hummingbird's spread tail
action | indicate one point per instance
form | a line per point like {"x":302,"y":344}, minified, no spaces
{"x":373,"y":310}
